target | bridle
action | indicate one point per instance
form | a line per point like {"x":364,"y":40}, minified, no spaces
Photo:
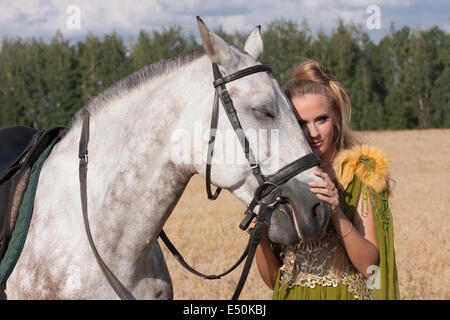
{"x":266,"y":184}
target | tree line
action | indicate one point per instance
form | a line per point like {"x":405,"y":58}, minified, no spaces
{"x":403,"y":82}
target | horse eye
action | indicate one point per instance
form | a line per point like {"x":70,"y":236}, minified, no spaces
{"x":265,"y":113}
{"x":269,"y":115}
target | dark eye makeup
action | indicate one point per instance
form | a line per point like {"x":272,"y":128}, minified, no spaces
{"x":322,"y":118}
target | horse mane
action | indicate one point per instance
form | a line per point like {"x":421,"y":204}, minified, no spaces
{"x":135,"y":79}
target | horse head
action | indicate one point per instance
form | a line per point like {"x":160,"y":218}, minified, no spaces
{"x":260,"y":121}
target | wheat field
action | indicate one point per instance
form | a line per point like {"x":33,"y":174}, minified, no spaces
{"x":207,"y":233}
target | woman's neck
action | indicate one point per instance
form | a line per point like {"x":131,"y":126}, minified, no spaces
{"x":327,"y":162}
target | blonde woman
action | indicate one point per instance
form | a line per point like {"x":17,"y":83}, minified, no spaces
{"x":355,"y":260}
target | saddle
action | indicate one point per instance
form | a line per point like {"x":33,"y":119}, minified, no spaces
{"x":13,"y":143}
{"x":19,"y":148}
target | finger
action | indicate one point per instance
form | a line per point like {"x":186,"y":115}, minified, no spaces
{"x":251,"y":227}
{"x":319,"y":184}
{"x":331,"y":201}
{"x":327,"y":187}
{"x":324,"y":191}
{"x":323,"y":175}
{"x":252,"y":224}
{"x":319,"y":173}
{"x":323,"y":197}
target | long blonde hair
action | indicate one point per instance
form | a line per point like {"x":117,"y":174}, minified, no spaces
{"x":312,"y":78}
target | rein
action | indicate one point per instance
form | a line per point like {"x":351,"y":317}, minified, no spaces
{"x":83,"y":155}
{"x":266,"y":183}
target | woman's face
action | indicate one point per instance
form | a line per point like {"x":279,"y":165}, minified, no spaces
{"x":317,"y":121}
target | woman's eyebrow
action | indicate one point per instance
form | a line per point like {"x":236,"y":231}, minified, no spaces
{"x":325,"y":114}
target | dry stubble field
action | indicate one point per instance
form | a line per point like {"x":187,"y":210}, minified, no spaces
{"x":207,"y":233}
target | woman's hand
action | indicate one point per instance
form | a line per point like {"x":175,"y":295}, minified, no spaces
{"x":251,"y":225}
{"x":265,"y":259}
{"x":264,"y":237}
{"x":326,"y":190}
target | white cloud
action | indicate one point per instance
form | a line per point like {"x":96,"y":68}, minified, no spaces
{"x":39,"y":18}
{"x":205,"y":8}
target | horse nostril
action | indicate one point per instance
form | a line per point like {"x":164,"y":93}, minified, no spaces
{"x":322,"y":212}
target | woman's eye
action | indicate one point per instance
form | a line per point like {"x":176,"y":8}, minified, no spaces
{"x":322,"y":119}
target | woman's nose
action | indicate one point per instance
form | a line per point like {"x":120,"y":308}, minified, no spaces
{"x":313,"y":131}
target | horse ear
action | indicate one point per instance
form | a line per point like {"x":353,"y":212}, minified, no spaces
{"x":254,"y":43}
{"x":216,"y":48}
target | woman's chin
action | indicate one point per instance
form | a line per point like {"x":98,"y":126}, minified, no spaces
{"x":318,"y":150}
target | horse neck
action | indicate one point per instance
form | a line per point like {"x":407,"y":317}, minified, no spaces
{"x":133,"y":184}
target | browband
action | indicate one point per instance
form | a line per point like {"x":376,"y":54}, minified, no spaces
{"x":238,"y":74}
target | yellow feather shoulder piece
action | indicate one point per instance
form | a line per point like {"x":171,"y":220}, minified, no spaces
{"x":369,"y":163}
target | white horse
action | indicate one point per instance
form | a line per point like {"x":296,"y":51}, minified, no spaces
{"x":135,"y":177}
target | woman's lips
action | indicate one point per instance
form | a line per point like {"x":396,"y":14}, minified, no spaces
{"x":316,"y":144}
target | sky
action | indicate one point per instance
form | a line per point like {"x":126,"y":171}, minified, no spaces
{"x":77,"y":18}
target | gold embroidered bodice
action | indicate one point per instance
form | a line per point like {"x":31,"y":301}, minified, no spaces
{"x":323,"y":262}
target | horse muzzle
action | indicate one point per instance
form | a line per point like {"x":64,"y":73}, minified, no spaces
{"x":297,"y":214}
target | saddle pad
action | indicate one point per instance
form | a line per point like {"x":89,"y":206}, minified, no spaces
{"x":20,"y":232}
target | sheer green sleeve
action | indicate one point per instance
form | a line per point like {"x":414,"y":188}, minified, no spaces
{"x":384,"y":278}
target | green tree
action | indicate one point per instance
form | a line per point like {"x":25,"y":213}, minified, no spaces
{"x":365,"y":98}
{"x":424,"y":68}
{"x":285,"y":46}
{"x":440,"y":92}
{"x":114,"y":63}
{"x":62,"y":83}
{"x":22,"y":85}
{"x":402,"y":82}
{"x":141,"y":55}
{"x":167,"y":44}
{"x":89,"y":61}
{"x":393,"y":56}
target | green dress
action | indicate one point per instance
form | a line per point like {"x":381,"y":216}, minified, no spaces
{"x":321,"y":270}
